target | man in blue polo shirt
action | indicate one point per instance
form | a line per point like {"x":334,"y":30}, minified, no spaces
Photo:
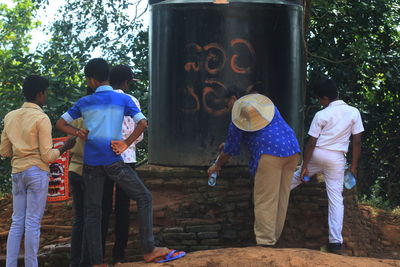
{"x":103,"y":113}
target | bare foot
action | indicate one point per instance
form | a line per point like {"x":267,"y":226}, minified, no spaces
{"x":157,"y":252}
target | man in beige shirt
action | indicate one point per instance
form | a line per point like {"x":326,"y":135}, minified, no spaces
{"x":26,"y":138}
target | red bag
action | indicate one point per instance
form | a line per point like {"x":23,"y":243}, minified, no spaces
{"x":58,"y":179}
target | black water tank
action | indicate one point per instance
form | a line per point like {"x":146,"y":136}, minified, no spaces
{"x":198,"y":50}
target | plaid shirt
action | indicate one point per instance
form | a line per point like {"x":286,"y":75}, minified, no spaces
{"x":128,"y":126}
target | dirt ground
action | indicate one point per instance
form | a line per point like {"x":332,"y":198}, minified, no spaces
{"x":56,"y":229}
{"x":273,"y":257}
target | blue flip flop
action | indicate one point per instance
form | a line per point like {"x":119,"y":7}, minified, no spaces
{"x":170,"y":256}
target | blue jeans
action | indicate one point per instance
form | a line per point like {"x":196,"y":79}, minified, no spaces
{"x":29,"y":189}
{"x":127,"y":180}
{"x":122,"y":203}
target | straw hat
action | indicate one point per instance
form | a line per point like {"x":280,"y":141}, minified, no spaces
{"x":252,"y":112}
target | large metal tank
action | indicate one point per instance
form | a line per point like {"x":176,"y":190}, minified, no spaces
{"x":198,"y":51}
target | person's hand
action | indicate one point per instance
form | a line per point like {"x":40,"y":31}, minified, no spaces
{"x":213,"y":168}
{"x":82,"y":133}
{"x":304,"y":172}
{"x":67,"y":145}
{"x":353,"y":170}
{"x":118,"y":146}
{"x":70,"y":143}
{"x":221,"y":147}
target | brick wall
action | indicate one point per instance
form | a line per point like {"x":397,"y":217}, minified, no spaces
{"x":190,"y":215}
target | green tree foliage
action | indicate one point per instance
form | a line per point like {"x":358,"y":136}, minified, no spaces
{"x":109,"y":29}
{"x":357,"y":43}
{"x":15,"y":63}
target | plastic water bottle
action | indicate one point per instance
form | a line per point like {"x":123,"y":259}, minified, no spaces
{"x":349,"y":179}
{"x":213,"y":179}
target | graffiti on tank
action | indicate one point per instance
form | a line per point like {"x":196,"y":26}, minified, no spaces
{"x":194,"y":52}
{"x":189,"y":92}
{"x":241,"y":46}
{"x":210,"y":98}
{"x":215,"y":59}
{"x":204,"y":87}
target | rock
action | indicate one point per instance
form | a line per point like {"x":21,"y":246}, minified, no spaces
{"x":210,"y":242}
{"x":314,"y":232}
{"x":203,"y":228}
{"x":204,"y":235}
{"x":173,"y":230}
{"x":179,"y":236}
{"x":229,"y":234}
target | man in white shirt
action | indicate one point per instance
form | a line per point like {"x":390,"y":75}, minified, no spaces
{"x":120,"y":77}
{"x":325,"y":151}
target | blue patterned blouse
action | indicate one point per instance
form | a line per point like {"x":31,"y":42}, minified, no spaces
{"x":277,"y":139}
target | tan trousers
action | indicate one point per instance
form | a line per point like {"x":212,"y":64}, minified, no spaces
{"x":271,"y":196}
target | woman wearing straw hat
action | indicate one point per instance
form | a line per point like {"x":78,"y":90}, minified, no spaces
{"x":274,"y":156}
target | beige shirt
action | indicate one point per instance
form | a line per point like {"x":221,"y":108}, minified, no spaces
{"x":76,"y":163}
{"x":26,"y":138}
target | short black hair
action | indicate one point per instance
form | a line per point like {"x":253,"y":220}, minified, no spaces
{"x":119,"y":74}
{"x":97,"y":68}
{"x":89,"y":90}
{"x":258,"y":87}
{"x":34,"y":84}
{"x":326,"y":87}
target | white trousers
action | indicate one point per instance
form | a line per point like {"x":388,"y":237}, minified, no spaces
{"x":331,"y":164}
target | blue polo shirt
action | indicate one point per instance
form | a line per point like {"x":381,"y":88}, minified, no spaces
{"x":277,"y":139}
{"x":103,"y":113}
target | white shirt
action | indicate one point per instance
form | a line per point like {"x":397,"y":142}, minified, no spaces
{"x":333,"y":126}
{"x":128,"y":125}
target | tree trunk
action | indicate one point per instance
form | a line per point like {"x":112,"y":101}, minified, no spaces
{"x":307,"y":12}
{"x":306,"y":23}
